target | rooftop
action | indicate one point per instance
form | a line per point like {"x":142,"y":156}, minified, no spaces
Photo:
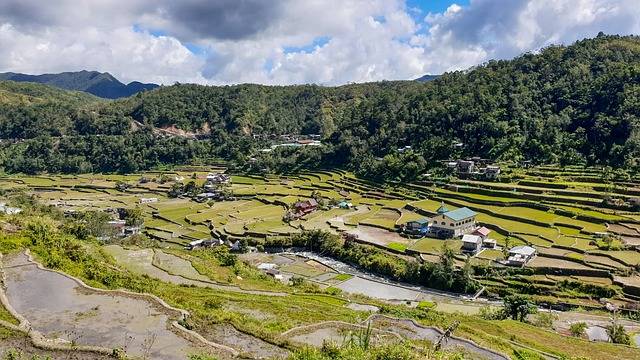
{"x":522,"y":250}
{"x":442,"y":209}
{"x":475,"y":239}
{"x":460,"y":214}
{"x":421,"y":221}
{"x":482,"y":231}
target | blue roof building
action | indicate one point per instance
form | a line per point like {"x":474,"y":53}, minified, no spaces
{"x":452,"y":224}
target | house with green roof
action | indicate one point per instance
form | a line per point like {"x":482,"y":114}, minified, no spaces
{"x":452,"y":223}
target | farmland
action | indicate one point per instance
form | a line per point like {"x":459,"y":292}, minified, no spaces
{"x":574,"y":266}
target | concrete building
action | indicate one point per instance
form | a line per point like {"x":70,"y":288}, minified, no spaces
{"x":452,"y":224}
{"x":471,"y":243}
{"x":521,"y":255}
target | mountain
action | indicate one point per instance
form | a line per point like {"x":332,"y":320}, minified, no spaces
{"x":103,"y":85}
{"x":425,"y":78}
{"x":572,"y":105}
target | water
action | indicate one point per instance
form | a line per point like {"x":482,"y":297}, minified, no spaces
{"x":379,"y":287}
{"x":57,"y":306}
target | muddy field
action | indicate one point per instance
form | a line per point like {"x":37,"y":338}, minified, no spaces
{"x":59,"y":307}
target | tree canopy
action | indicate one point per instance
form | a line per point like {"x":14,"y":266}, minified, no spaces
{"x":576,"y":104}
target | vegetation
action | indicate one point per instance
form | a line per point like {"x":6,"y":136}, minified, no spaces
{"x":442,"y":275}
{"x":578,"y":329}
{"x":567,"y":105}
{"x":618,"y":334}
{"x":517,"y":307}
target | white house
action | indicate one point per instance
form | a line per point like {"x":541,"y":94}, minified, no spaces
{"x":148,"y":200}
{"x":471,"y":243}
{"x":521,"y":255}
{"x":9,"y":210}
{"x":452,"y":224}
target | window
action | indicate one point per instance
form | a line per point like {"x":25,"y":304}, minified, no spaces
{"x":443,"y":223}
{"x":450,"y":224}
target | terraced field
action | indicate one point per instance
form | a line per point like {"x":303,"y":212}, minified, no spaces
{"x":561,"y":212}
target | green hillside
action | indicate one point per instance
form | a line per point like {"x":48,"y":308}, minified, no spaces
{"x":573,"y":104}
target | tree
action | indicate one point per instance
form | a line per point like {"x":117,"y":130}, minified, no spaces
{"x":618,"y":334}
{"x":133,"y":216}
{"x":517,"y":307}
{"x":578,"y":329}
{"x":176,"y":190}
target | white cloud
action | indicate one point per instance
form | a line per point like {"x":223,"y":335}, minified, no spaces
{"x":125,"y":53}
{"x":363,"y":40}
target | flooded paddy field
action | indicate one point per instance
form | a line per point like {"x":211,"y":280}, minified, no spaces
{"x":411,"y":330}
{"x":59,"y":307}
{"x":339,"y":333}
{"x":248,"y":345}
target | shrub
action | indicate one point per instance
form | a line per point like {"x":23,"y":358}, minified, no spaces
{"x":544,"y":319}
{"x":578,"y":329}
{"x":618,"y":334}
{"x":491,"y":313}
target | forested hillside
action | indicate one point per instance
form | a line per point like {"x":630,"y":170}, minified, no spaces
{"x":573,"y":105}
{"x":93,"y":82}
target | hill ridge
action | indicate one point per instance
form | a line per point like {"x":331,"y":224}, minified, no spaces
{"x":101,"y":84}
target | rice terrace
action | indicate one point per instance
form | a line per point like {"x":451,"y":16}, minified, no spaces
{"x":217,"y":249}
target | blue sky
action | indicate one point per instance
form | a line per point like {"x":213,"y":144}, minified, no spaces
{"x":435,"y":6}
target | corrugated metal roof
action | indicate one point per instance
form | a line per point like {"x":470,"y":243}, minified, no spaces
{"x":472,"y":239}
{"x":460,"y":214}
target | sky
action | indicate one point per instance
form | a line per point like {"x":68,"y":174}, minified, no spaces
{"x":328,"y":42}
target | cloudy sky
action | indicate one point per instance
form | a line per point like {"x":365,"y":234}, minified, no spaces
{"x":291,"y":41}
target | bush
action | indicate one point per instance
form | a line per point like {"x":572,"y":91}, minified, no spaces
{"x":491,"y":313}
{"x":618,"y":334}
{"x":578,"y":329}
{"x":544,"y":319}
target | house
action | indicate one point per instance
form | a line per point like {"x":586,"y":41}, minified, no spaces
{"x":203,"y":243}
{"x":9,"y":210}
{"x":132,"y":230}
{"x":452,"y":224}
{"x":416,"y":227}
{"x":345,"y":205}
{"x":489,"y":243}
{"x":305,"y":207}
{"x":521,"y":255}
{"x":404,"y":149}
{"x":274,"y":273}
{"x":218,"y":178}
{"x":118,"y":226}
{"x":466,"y":166}
{"x":491,"y":172}
{"x":266,"y":266}
{"x":148,"y":200}
{"x":193,"y":244}
{"x":202,"y":197}
{"x":471,"y":243}
{"x":452,"y":165}
{"x":482,"y":231}
{"x":309,"y":142}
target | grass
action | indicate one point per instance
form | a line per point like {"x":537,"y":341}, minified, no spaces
{"x":342,"y":277}
{"x":397,"y":246}
{"x":434,"y":246}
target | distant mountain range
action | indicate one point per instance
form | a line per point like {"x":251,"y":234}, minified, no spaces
{"x":425,"y":78}
{"x":99,"y":84}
